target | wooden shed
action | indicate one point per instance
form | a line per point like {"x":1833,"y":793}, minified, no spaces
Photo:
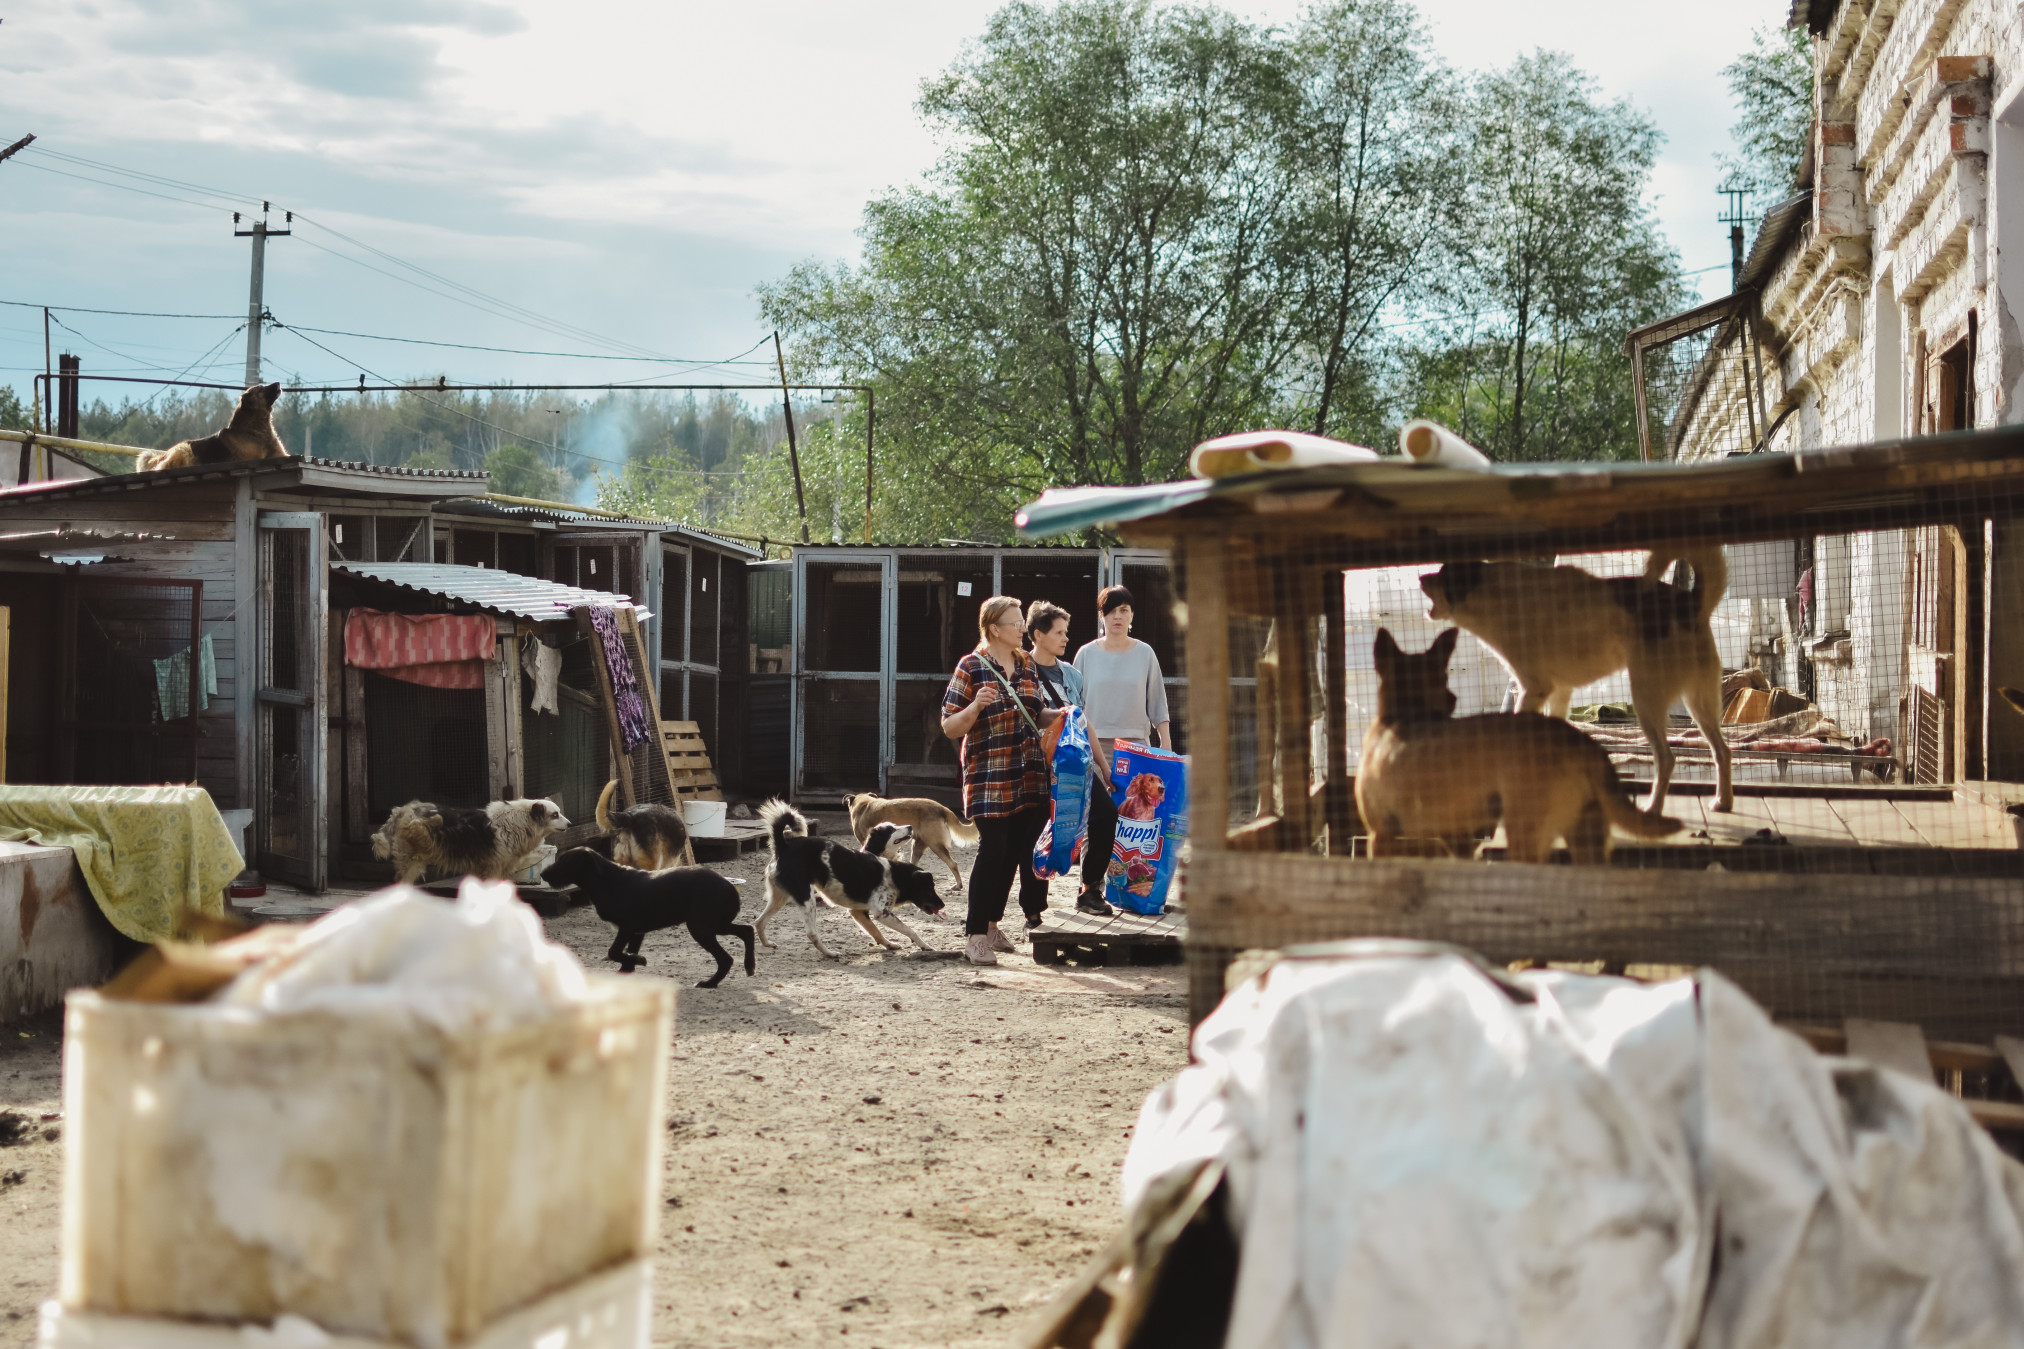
{"x":133,"y":597}
{"x":1832,"y":900}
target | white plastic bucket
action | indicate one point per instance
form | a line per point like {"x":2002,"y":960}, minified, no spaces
{"x":239,"y":821}
{"x":705,"y":819}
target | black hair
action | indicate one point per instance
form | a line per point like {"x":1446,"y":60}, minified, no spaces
{"x":1110,"y":597}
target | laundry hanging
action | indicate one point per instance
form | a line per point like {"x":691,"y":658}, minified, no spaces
{"x":172,"y":681}
{"x":443,"y":651}
{"x":633,"y":727}
{"x":543,"y":664}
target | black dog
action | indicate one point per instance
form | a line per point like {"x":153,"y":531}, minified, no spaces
{"x":806,"y":869}
{"x":638,"y":902}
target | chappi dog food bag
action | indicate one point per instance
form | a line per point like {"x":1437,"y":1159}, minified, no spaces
{"x":1060,"y":845}
{"x":1150,"y":790}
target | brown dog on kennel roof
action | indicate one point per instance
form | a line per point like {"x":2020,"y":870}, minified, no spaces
{"x":249,"y":435}
{"x":1557,"y":628}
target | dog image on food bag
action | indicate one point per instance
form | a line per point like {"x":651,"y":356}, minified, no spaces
{"x":1152,"y":824}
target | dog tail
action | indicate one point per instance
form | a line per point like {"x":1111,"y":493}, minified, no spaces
{"x":1711,"y":573}
{"x":604,"y":807}
{"x":1617,"y":807}
{"x":782,"y":820}
{"x":959,"y":828}
{"x":397,"y":820}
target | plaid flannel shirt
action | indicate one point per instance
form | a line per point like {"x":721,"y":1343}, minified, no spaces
{"x":1003,"y":768}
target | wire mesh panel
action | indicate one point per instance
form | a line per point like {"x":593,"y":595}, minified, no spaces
{"x":839,"y":735}
{"x":1699,"y":380}
{"x":132,"y":684}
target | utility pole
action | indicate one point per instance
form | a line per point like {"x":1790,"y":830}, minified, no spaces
{"x":17,"y":147}
{"x":1734,"y":218}
{"x":793,"y":452}
{"x":255,"y":310}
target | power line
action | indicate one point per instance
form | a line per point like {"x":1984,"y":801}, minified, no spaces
{"x":517,"y":351}
{"x":471,"y":296}
{"x":127,"y":313}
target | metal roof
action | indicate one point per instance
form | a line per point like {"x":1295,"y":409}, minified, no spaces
{"x":339,"y":474}
{"x":479,"y":507}
{"x":498,"y":592}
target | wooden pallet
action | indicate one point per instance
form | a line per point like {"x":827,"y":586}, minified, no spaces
{"x":1072,"y":937}
{"x":689,"y":768}
{"x":739,"y":838}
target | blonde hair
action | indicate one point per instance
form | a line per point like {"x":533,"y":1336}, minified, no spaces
{"x":992,"y":611}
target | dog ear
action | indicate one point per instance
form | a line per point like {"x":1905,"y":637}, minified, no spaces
{"x":1444,"y":645}
{"x":538,"y":812}
{"x":1384,"y":649}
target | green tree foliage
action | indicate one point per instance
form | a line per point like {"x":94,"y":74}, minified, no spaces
{"x":1565,"y":260}
{"x":1772,"y":84}
{"x":521,"y":472}
{"x":14,"y":414}
{"x":1154,"y":225}
{"x":1375,"y":152}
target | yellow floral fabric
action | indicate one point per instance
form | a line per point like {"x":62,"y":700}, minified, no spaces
{"x":148,"y":853}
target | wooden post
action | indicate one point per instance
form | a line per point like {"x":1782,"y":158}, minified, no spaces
{"x":1338,"y":806}
{"x":1296,"y":723}
{"x":1265,"y":716}
{"x":1208,"y":694}
{"x":621,"y":762}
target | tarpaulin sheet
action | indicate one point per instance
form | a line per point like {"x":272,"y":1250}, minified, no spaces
{"x":444,"y":651}
{"x":1421,"y":1150}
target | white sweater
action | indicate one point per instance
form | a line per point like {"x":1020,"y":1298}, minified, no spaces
{"x":1123,"y":692}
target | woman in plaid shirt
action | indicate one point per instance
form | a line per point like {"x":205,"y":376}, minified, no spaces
{"x":1005,"y":778}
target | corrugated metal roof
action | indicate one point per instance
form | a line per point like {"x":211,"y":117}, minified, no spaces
{"x":310,"y":471}
{"x":478,"y":506}
{"x":500,"y":592}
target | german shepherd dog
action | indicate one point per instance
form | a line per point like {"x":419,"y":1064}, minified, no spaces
{"x":249,"y":435}
{"x":1427,"y":774}
{"x":648,"y":836}
{"x":810,"y":871}
{"x":493,"y":842}
{"x":1558,"y":628}
{"x":934,"y":824}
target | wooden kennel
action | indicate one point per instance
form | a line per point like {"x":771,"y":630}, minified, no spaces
{"x":1899,"y":900}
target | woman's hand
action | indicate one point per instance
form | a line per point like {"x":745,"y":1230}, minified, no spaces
{"x":957,"y":724}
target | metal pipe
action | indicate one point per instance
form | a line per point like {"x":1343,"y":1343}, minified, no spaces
{"x":481,"y":388}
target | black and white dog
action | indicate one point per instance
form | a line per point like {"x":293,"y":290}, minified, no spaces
{"x":808,"y":870}
{"x":638,"y":902}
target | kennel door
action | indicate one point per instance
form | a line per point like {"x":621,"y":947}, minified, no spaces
{"x":294,"y":599}
{"x":843,"y":670}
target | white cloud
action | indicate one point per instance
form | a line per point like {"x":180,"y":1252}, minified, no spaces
{"x":635,"y":169}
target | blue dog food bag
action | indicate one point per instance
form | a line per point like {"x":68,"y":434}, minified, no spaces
{"x":1060,"y":847}
{"x":1150,"y":789}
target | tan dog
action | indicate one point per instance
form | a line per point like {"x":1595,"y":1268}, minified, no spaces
{"x":934,"y":824}
{"x":249,"y":435}
{"x":1558,"y":628}
{"x":647,"y":836}
{"x":1427,"y":774}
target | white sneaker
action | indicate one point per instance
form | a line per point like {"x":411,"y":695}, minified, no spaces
{"x":978,"y":949}
{"x":1001,"y":942}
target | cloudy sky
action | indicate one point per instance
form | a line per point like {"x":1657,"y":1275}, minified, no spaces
{"x":582,"y":177}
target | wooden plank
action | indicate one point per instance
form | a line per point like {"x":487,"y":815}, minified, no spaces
{"x":499,"y":752}
{"x":1948,"y":954}
{"x":1809,"y":822}
{"x":620,"y":762}
{"x":1889,"y":1044}
{"x":357,"y":797}
{"x":1958,"y":824}
{"x":1208,"y":695}
{"x":1295,"y":725}
{"x":1875,"y":822}
{"x":245,"y":629}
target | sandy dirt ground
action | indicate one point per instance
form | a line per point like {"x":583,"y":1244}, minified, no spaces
{"x":891,"y":1149}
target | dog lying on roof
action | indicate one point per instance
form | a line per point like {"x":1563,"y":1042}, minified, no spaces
{"x":249,"y":435}
{"x":499,"y":840}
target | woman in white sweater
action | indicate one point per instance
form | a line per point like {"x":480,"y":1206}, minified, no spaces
{"x":1125,"y":696}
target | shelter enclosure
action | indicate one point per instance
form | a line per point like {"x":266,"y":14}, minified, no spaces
{"x":1869,"y":868}
{"x":190,"y":626}
{"x":876,"y":631}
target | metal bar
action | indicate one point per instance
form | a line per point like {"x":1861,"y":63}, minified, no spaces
{"x":793,"y":450}
{"x":1637,"y":385}
{"x":196,"y":673}
{"x":870,"y":416}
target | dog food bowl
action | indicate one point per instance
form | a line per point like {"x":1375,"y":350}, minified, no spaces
{"x":705,"y":819}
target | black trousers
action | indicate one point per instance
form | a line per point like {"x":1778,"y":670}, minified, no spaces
{"x":1102,"y":834}
{"x":1002,"y":841}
